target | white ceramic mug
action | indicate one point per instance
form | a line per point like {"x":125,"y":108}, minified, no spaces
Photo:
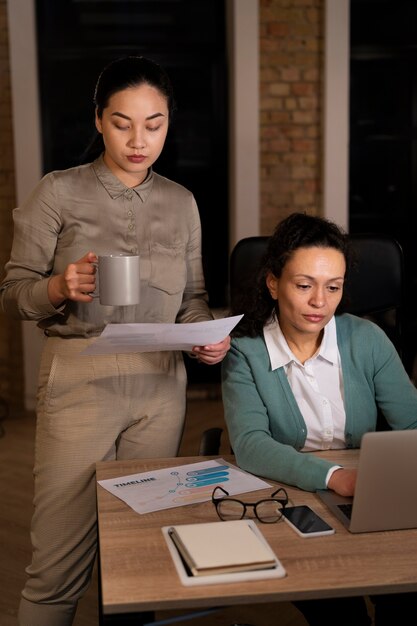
{"x":118,"y":279}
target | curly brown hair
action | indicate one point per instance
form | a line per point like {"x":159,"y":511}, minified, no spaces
{"x":298,"y":230}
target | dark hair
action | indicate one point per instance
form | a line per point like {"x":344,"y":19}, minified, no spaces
{"x":296,"y":231}
{"x":120,"y":74}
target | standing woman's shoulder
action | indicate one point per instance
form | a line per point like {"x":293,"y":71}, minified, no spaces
{"x":173,"y":198}
{"x":58,"y":187}
{"x":65,"y":177}
{"x":162,"y":184}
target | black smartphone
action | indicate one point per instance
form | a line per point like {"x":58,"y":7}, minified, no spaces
{"x":306,"y":522}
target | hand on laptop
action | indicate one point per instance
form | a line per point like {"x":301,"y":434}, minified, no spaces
{"x":342,"y":481}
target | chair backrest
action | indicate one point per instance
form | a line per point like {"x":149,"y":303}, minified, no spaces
{"x":374,"y":287}
{"x":245,"y":261}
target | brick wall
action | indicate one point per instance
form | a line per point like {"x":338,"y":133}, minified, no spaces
{"x":291,"y":60}
{"x":11,"y":362}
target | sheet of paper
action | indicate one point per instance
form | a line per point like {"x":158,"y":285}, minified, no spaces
{"x":178,"y":486}
{"x":118,"y":338}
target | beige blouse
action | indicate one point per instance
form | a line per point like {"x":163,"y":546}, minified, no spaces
{"x":86,"y":208}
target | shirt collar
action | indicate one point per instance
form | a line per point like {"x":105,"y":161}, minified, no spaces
{"x":115,"y":188}
{"x":280,"y":353}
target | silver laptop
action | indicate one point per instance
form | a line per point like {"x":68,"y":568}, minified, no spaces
{"x":386,"y":487}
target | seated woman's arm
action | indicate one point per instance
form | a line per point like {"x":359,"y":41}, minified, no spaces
{"x":249,"y":390}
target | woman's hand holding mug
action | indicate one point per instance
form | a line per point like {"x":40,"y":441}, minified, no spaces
{"x":114,"y":278}
{"x":76,"y":283}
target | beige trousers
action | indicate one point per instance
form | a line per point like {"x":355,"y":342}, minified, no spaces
{"x":89,"y":409}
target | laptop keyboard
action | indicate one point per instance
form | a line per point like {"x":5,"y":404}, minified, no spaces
{"x":346,"y":509}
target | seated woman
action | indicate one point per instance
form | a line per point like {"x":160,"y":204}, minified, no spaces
{"x":300,"y":377}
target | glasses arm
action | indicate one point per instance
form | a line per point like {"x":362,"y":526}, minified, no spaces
{"x":213,"y":497}
{"x":284,"y":499}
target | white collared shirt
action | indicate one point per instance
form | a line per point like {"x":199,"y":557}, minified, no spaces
{"x":317,"y":385}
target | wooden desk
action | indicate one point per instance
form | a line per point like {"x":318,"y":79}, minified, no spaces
{"x":137,"y":573}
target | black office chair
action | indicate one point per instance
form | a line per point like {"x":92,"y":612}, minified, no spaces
{"x":210,"y":441}
{"x":374,"y":289}
{"x":245,"y":261}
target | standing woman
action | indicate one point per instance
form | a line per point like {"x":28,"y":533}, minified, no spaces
{"x":111,"y":406}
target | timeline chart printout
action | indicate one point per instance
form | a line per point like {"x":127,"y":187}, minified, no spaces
{"x":178,"y":486}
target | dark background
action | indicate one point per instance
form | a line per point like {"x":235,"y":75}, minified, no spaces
{"x":383,"y":133}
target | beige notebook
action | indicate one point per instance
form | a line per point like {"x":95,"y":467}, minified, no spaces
{"x":221,"y":547}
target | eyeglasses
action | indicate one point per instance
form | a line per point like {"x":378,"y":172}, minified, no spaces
{"x":267,"y":511}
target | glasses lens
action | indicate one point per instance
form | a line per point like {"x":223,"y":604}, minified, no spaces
{"x":230,"y":509}
{"x":269,"y":511}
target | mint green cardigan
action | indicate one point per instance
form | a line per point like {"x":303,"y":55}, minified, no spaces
{"x":266,"y":428}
